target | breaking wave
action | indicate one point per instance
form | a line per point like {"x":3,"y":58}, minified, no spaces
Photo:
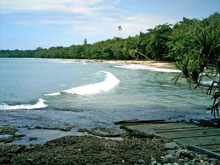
{"x":65,"y":61}
{"x":69,"y":61}
{"x":109,"y":83}
{"x":143,"y":67}
{"x":53,"y":94}
{"x":40,"y":104}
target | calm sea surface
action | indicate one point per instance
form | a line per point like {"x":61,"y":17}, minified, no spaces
{"x":72,"y":93}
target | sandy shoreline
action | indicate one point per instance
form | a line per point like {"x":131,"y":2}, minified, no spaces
{"x":153,"y":63}
{"x":158,"y":64}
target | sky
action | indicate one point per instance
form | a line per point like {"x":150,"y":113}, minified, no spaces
{"x":29,"y":24}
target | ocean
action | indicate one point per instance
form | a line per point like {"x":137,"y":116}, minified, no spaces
{"x":78,"y":94}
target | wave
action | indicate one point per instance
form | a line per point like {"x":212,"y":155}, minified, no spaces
{"x":69,"y":61}
{"x":109,"y":83}
{"x":143,"y":67}
{"x":53,"y":94}
{"x":40,"y":104}
{"x":66,"y":61}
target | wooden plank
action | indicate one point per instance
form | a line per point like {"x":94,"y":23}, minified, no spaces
{"x":205,"y":140}
{"x":134,"y":121}
{"x":213,"y":148}
{"x":152,"y":128}
{"x":180,"y":129}
{"x":205,"y":151}
{"x":195,"y":132}
{"x":199,"y":140}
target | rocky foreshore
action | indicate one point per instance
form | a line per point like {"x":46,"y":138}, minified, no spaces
{"x":96,"y":150}
{"x":99,"y":148}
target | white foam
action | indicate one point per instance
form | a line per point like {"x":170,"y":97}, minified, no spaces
{"x":53,"y":94}
{"x":40,"y":104}
{"x":109,"y":83}
{"x":65,"y":61}
{"x":143,"y":67}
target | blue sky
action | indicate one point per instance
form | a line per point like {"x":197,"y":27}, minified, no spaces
{"x":28,"y":24}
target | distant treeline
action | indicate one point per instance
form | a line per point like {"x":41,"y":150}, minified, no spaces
{"x":165,"y":42}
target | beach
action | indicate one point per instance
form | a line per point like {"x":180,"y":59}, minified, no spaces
{"x":152,"y":63}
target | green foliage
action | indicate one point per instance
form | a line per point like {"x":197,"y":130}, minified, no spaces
{"x":158,"y":48}
{"x":201,"y":59}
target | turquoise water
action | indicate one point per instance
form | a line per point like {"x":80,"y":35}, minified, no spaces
{"x":73,"y":93}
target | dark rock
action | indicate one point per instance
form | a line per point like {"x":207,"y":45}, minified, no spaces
{"x":67,"y":129}
{"x":103,"y":132}
{"x":184,"y":153}
{"x":18,"y":136}
{"x":7,"y":130}
{"x":32,"y":138}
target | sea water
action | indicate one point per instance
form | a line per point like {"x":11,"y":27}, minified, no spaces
{"x":79,"y":94}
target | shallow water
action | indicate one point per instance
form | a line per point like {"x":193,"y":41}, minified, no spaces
{"x":71,"y":93}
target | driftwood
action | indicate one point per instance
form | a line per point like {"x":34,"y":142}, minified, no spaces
{"x":134,"y":121}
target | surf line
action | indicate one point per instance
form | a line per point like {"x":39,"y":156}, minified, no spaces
{"x":109,"y":83}
{"x":38,"y":105}
{"x":143,"y":67}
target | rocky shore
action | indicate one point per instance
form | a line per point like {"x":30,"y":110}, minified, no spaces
{"x":97,"y":150}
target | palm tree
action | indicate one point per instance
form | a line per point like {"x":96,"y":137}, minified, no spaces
{"x":203,"y":61}
{"x":120,"y":29}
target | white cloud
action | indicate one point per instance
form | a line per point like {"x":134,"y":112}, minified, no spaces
{"x":85,"y":18}
{"x":106,"y":26}
{"x":72,"y":6}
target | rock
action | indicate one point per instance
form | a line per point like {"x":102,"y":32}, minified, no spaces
{"x":141,"y":161}
{"x":154,"y":163}
{"x":213,"y":161}
{"x":103,"y":132}
{"x":186,"y":164}
{"x":169,"y":159}
{"x":171,"y":146}
{"x":32,"y":138}
{"x":173,"y":153}
{"x":184,"y":153}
